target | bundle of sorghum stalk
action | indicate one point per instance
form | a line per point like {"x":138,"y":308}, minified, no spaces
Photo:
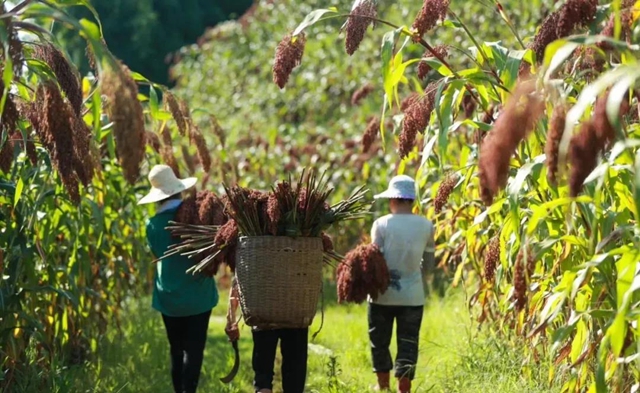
{"x":362,"y":274}
{"x":197,"y":220}
{"x":295,"y":209}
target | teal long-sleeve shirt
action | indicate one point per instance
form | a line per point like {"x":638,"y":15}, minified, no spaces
{"x":176,"y":293}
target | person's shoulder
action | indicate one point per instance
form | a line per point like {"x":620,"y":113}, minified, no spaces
{"x":382,"y":220}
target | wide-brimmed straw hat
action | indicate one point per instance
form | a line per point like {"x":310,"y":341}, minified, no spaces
{"x":165,"y":184}
{"x":400,"y":187}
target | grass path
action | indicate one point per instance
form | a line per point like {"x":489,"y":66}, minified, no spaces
{"x":453,"y":356}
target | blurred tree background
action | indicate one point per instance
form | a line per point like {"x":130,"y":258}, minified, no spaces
{"x":145,"y":33}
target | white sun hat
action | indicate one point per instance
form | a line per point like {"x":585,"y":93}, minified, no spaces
{"x":400,"y":187}
{"x":165,"y":184}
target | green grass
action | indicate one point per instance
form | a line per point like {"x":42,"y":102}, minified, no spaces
{"x":454,"y":357}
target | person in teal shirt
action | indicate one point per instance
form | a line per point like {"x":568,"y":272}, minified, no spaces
{"x":184,"y":300}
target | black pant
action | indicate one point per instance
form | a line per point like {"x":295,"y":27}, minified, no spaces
{"x":293,"y":346}
{"x":187,"y":338}
{"x":408,"y":321}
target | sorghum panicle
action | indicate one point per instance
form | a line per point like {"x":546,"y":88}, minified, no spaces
{"x":361,"y":94}
{"x":357,"y":24}
{"x":6,"y":156}
{"x":546,"y":35}
{"x":170,"y":159}
{"x":127,"y":115}
{"x":583,"y":156}
{"x":444,"y":191}
{"x":176,"y":112}
{"x":288,"y":56}
{"x":416,"y":119}
{"x":218,"y":131}
{"x":423,"y":67}
{"x":522,"y":111}
{"x":469,"y":106}
{"x":492,"y":259}
{"x":65,"y":73}
{"x":520,"y":283}
{"x":554,"y":136}
{"x":55,"y":125}
{"x":408,"y":101}
{"x":14,"y":44}
{"x":431,"y":12}
{"x":84,"y":161}
{"x":153,"y":140}
{"x":370,"y":134}
{"x":575,"y":13}
{"x":203,"y":151}
{"x":327,"y":243}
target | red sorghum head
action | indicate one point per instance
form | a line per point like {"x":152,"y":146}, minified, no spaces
{"x":361,"y":94}
{"x":431,"y":12}
{"x":554,"y":136}
{"x":522,"y":111}
{"x":288,"y":56}
{"x":65,"y":73}
{"x":370,"y":134}
{"x":126,"y":113}
{"x":357,"y":24}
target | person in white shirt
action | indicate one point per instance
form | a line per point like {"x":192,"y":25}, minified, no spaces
{"x":407,"y":242}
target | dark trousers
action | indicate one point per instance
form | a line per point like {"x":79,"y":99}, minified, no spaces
{"x":187,"y":338}
{"x":408,"y":320}
{"x":293,"y":346}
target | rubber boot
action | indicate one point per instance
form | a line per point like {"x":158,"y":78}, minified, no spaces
{"x":404,"y":385}
{"x":383,"y":382}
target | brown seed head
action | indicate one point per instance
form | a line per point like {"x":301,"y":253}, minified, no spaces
{"x":10,"y":114}
{"x":573,"y":14}
{"x":56,"y":122}
{"x":170,"y":159}
{"x":521,"y":112}
{"x":153,"y":140}
{"x":423,"y":67}
{"x":14,"y":44}
{"x":469,"y":106}
{"x":444,"y":191}
{"x":327,"y":243}
{"x":605,"y":131}
{"x":492,"y":259}
{"x":546,"y":35}
{"x":187,"y":213}
{"x":361,"y":94}
{"x":127,"y":115}
{"x":227,"y":239}
{"x":583,"y":156}
{"x":210,"y":209}
{"x":203,"y":151}
{"x":431,"y":12}
{"x":176,"y":111}
{"x":84,"y":160}
{"x":370,"y":134}
{"x":416,"y":119}
{"x":27,"y":146}
{"x":408,"y":101}
{"x":6,"y":155}
{"x":554,"y":136}
{"x":65,"y":72}
{"x":288,"y":56}
{"x":357,"y":24}
{"x":165,"y":133}
{"x":520,"y":283}
{"x":218,"y":131}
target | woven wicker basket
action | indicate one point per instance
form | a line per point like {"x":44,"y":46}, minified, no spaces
{"x":279,"y":280}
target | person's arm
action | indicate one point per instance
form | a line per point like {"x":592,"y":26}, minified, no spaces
{"x":429,"y":255}
{"x":232,"y":323}
{"x":377,"y":236}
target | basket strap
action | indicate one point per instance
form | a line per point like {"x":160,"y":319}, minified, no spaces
{"x":313,"y":338}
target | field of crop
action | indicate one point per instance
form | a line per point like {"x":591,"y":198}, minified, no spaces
{"x":454,"y":356}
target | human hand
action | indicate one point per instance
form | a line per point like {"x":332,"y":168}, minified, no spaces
{"x":232,"y":331}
